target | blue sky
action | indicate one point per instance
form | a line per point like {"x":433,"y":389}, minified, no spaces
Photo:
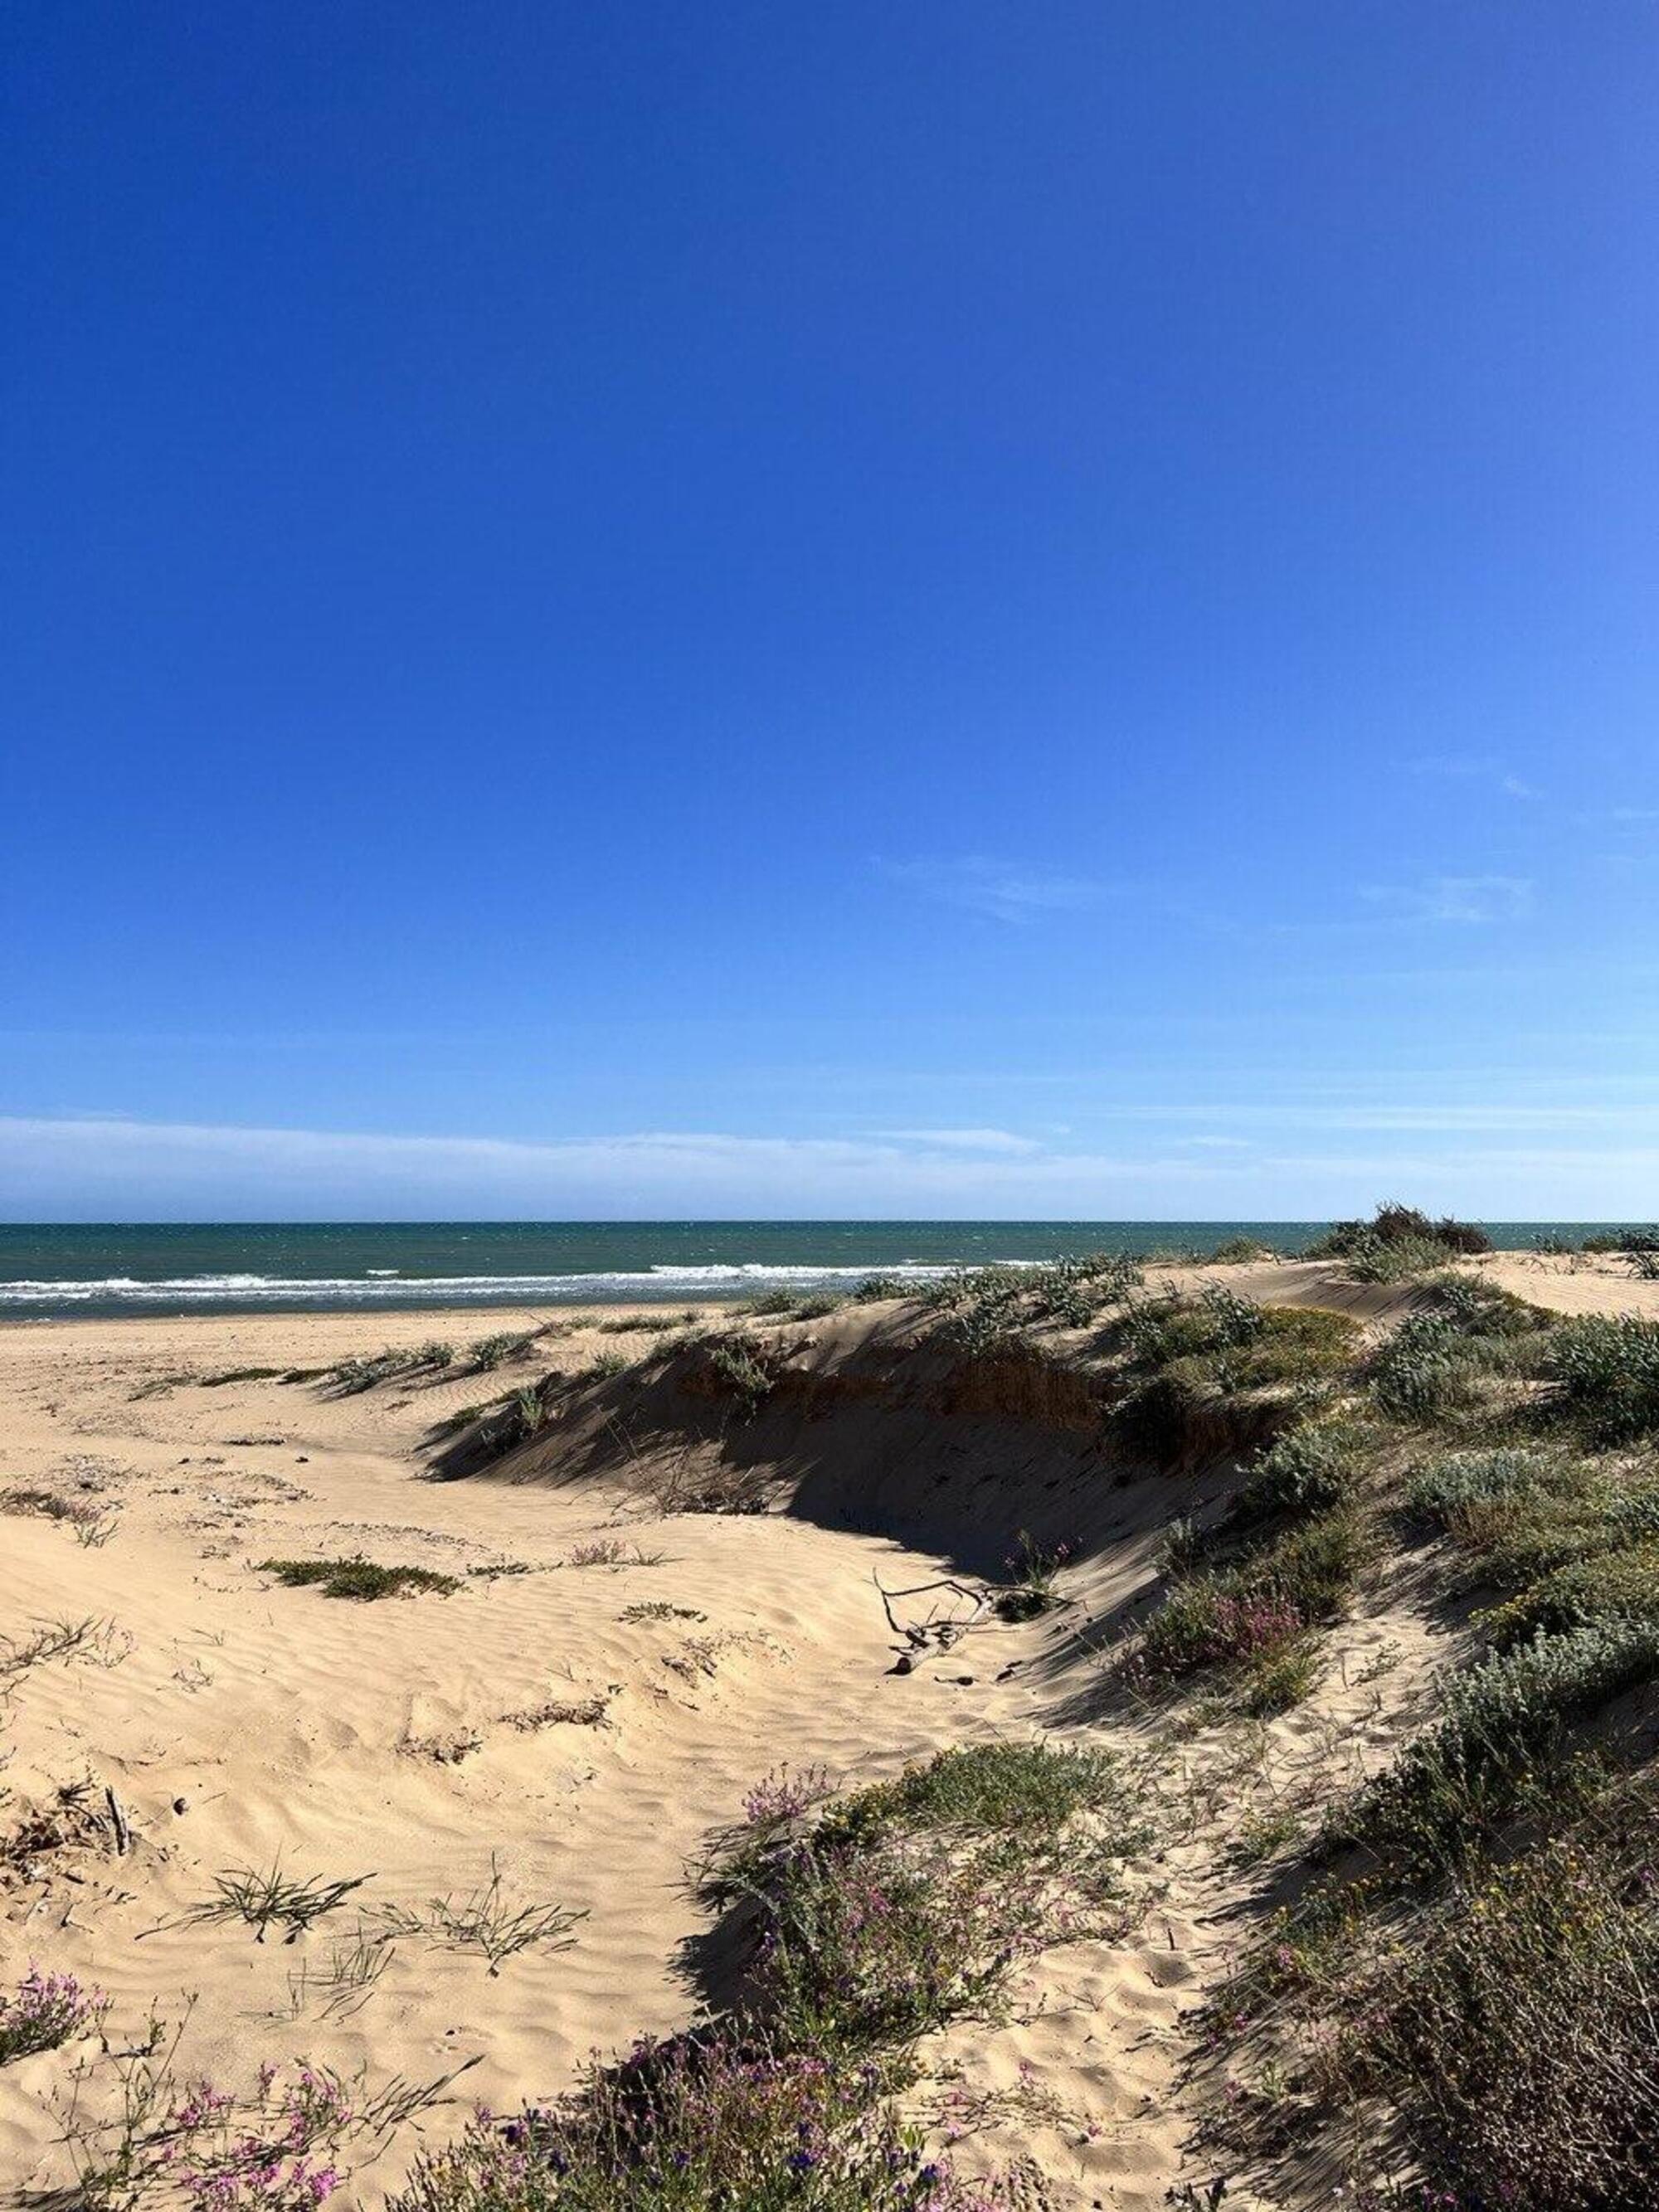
{"x":960,"y":609}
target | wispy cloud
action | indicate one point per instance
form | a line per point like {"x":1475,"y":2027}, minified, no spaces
{"x":964,"y":1140}
{"x":118,"y":1169}
{"x":1461,"y":899}
{"x":1473,"y":767}
{"x":1008,"y":890}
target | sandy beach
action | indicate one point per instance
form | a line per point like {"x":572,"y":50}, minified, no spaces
{"x":587,"y":1706}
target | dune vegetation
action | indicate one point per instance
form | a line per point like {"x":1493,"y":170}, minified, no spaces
{"x":1182,"y":1730}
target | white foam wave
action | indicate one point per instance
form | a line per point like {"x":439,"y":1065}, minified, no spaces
{"x":380,"y":1285}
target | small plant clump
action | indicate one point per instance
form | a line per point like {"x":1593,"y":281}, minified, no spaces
{"x":1606,"y":1370}
{"x":1248,"y":1617}
{"x":895,"y":1910}
{"x":749,"y":1375}
{"x":356,"y":1577}
{"x":488,"y":1353}
{"x":1031,"y":1569}
{"x":45,"y":2011}
{"x":273,"y":1900}
{"x":487,"y":1922}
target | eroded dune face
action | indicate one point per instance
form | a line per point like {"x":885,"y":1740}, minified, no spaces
{"x":593,"y":1685}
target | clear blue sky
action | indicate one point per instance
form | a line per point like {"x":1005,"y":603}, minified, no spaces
{"x":954,"y":608}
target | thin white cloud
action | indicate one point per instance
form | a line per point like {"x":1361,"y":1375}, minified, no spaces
{"x":963,"y":1140}
{"x":1467,"y":1161}
{"x":1458,"y":899}
{"x":1008,"y":890}
{"x":118,"y":1169}
{"x":1473,"y":767}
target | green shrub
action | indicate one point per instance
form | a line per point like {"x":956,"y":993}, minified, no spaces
{"x":1448,"y":1489}
{"x":1477,"y":1308}
{"x":1606,"y":1369}
{"x":603,"y":1367}
{"x":750,"y":1376}
{"x":1231,"y":1616}
{"x":492,"y":1352}
{"x":1294,"y":1344}
{"x":1402,"y":1230}
{"x":908,"y":1904}
{"x":1503,"y":1720}
{"x":355,"y":1577}
{"x":1421,"y":1371}
{"x":1307,"y":1470}
{"x":1613,"y":1585}
{"x":1240,"y":1251}
{"x":716,"y":2121}
{"x":1518,"y":2035}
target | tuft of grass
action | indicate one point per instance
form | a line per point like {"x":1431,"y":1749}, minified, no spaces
{"x":355,"y":1577}
{"x":272,"y":1900}
{"x":638,"y":1324}
{"x":488,"y":1353}
{"x":78,"y":1512}
{"x":611,"y":1551}
{"x":488,"y":1922}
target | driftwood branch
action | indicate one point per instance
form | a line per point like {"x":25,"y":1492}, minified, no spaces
{"x":933,"y":1630}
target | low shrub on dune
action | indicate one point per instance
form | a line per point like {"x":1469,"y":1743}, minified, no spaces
{"x":707,"y":2124}
{"x":1398,"y":1241}
{"x":1518,"y":2035}
{"x":878,"y":1918}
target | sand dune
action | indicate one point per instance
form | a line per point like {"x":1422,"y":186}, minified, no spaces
{"x":581,"y":1730}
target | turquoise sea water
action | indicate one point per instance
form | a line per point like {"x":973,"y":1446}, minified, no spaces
{"x":55,"y":1271}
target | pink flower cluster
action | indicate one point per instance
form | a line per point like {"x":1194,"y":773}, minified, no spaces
{"x":269,"y":2167}
{"x":46,"y":2010}
{"x":781,"y":1796}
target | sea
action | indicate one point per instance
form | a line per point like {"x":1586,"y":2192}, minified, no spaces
{"x":86,"y":1270}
